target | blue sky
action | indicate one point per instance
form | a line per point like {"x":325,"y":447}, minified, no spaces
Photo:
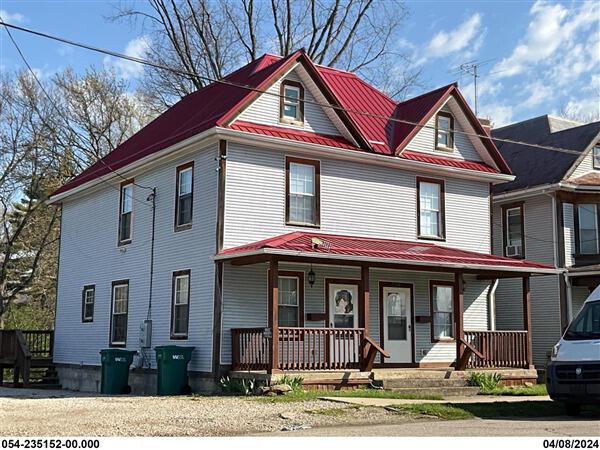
{"x":542,"y":57}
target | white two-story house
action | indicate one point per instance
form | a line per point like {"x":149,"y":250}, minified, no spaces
{"x":291,"y":217}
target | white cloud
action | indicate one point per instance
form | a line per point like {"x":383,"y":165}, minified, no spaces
{"x":447,"y":42}
{"x":499,"y":115}
{"x":11,"y":18}
{"x":136,"y":48}
{"x":539,"y":93}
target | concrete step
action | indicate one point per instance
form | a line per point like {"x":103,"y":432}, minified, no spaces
{"x":450,"y":391}
{"x":421,"y":383}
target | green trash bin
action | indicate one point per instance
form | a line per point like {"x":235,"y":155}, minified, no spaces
{"x":172,"y":362}
{"x":115,"y":370}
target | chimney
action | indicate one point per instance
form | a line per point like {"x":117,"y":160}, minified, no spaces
{"x":486,"y":124}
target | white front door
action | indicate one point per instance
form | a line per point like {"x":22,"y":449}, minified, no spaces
{"x":343,"y":305}
{"x":397,"y":320}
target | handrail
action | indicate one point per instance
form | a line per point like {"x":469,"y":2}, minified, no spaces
{"x":370,"y":350}
{"x":23,"y":359}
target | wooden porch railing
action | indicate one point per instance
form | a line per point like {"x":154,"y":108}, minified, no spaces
{"x":299,"y":348}
{"x":496,"y":349}
{"x":19,"y":347}
{"x":39,"y":342}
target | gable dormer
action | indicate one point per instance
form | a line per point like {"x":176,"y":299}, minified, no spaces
{"x":589,"y":162}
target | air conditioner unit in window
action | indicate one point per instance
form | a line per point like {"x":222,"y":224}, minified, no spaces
{"x":513,"y":250}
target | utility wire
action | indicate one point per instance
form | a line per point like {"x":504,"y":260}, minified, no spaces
{"x":251,"y":88}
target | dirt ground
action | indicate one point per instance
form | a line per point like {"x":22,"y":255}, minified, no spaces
{"x":59,"y":413}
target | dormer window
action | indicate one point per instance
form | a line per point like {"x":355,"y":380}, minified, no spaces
{"x":444,"y":131}
{"x":292,"y":102}
{"x":596,"y":156}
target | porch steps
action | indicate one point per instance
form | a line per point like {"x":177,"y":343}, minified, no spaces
{"x":445,"y":383}
{"x":443,"y":391}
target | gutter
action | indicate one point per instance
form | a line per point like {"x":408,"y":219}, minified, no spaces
{"x":546,"y":189}
{"x":363,"y":259}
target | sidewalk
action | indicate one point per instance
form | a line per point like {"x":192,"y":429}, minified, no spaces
{"x":382,"y":402}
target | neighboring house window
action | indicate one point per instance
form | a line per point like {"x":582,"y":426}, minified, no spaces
{"x":120,"y":306}
{"x":302,"y":192}
{"x":292,"y":102}
{"x":587,"y":221}
{"x":125,"y":213}
{"x":88,"y":296}
{"x":180,"y":308}
{"x":514,"y":231}
{"x":442,"y":310}
{"x":444,"y":130}
{"x":430,"y":205}
{"x":184,"y":196}
{"x":596,"y":157}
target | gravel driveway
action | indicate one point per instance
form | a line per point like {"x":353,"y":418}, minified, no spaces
{"x":61,"y":413}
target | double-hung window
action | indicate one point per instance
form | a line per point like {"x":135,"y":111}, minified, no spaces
{"x":587,"y":230}
{"x":444,"y":131}
{"x":88,"y":297}
{"x":442,"y":311}
{"x":120,"y":307}
{"x":302,"y":196}
{"x":126,"y":212}
{"x":514,"y":231}
{"x":184,"y":196}
{"x":180,"y":312}
{"x":430,"y":214}
{"x":596,"y":156}
{"x":292,"y":102}
{"x":289,"y":302}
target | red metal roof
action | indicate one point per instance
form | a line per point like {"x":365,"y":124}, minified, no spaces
{"x":385,"y":249}
{"x":217,"y":105}
{"x":452,"y":162}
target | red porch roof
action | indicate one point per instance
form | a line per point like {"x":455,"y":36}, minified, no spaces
{"x":301,"y":243}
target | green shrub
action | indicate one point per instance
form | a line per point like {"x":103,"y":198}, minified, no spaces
{"x":486,"y":381}
{"x":294,"y":382}
{"x":238,"y":387}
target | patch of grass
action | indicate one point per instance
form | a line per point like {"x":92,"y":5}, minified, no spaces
{"x":313,"y":394}
{"x":492,"y":410}
{"x":536,"y":389}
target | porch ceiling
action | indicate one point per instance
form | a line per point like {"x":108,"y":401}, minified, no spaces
{"x":353,"y":250}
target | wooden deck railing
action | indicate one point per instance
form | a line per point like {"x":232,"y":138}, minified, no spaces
{"x":19,"y":347}
{"x":498,"y":348}
{"x":299,"y":348}
{"x":39,"y":342}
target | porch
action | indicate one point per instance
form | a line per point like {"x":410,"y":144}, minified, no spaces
{"x":376,"y":337}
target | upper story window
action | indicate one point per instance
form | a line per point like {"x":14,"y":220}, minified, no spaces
{"x":302,"y":192}
{"x":126,"y":212}
{"x":444,"y":131}
{"x":596,"y":156}
{"x":514,"y":230}
{"x":430,"y":208}
{"x":587,"y":228}
{"x":184,"y":201}
{"x":442,"y":310}
{"x":180,"y":309}
{"x":292,"y":102}
{"x":88,"y":297}
{"x":120,"y":308}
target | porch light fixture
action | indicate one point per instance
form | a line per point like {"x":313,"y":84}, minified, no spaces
{"x":311,"y":276}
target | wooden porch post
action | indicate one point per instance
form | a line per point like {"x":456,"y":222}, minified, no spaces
{"x":527,"y":318}
{"x":363,"y":312}
{"x":274,"y":315}
{"x":459,"y":306}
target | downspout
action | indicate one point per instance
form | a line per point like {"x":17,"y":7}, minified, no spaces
{"x":492,"y":305}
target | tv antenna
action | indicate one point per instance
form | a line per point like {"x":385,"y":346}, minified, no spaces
{"x":472,"y":68}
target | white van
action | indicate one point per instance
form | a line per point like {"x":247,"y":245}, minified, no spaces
{"x":573,"y":374}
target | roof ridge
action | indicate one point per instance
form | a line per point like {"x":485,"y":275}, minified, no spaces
{"x":428,"y":93}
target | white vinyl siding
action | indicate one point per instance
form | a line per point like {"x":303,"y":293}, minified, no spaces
{"x":586,"y":165}
{"x":356,"y":199}
{"x":266,"y":109}
{"x":88,"y":255}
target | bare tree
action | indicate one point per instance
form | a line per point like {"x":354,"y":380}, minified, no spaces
{"x":206,"y":39}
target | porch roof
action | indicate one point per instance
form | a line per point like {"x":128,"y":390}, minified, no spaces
{"x":360,"y":250}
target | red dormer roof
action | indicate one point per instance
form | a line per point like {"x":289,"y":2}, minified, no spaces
{"x":218,"y":104}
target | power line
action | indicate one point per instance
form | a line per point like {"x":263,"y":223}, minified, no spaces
{"x":251,"y":88}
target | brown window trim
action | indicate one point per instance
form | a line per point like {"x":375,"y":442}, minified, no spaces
{"x":300,"y":276}
{"x":451,"y":117}
{"x":442,"y":236}
{"x":576,"y":226}
{"x":284,"y":119}
{"x":504,"y":209}
{"x":433,"y":283}
{"x":179,"y":169}
{"x":176,"y":274}
{"x":87,"y":287}
{"x":120,"y":241}
{"x":317,"y":205}
{"x":112,"y":306}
